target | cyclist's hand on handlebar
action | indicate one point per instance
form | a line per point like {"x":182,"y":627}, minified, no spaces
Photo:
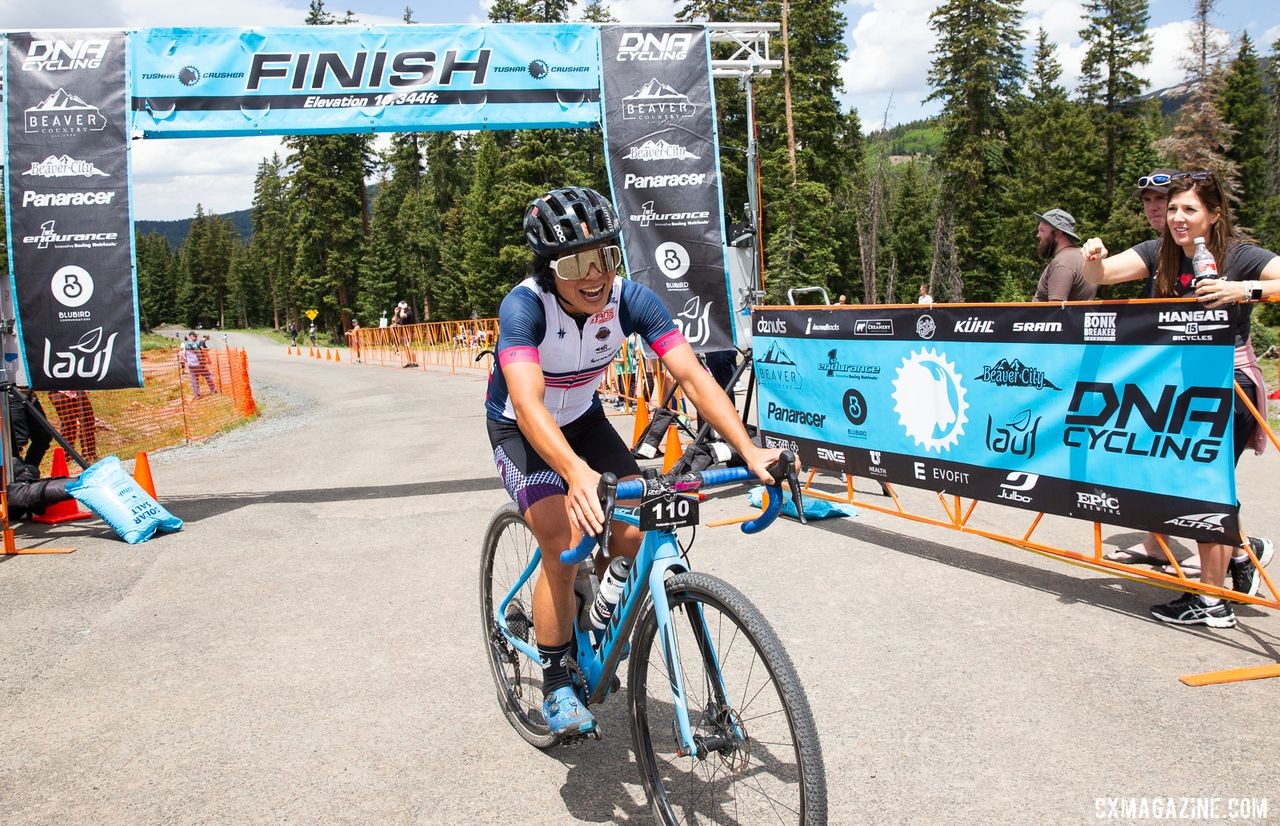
{"x":583,"y":501}
{"x":760,"y":461}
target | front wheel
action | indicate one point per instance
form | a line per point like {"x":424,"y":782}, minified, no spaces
{"x":509,"y":545}
{"x":758,"y":759}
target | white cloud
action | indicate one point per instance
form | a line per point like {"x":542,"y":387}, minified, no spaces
{"x":889,"y":57}
{"x":171,"y":176}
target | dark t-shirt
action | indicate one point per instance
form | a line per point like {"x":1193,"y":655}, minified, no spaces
{"x":1243,"y":262}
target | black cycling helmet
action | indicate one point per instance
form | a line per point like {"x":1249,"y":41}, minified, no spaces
{"x":569,"y":219}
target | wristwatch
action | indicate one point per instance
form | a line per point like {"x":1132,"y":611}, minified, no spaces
{"x":1253,"y":291}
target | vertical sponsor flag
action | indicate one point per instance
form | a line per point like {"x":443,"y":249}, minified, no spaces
{"x":660,"y":139}
{"x":70,"y":227}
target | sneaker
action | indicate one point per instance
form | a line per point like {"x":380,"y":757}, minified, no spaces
{"x":1245,"y":578}
{"x":566,"y":714}
{"x":1189,"y":610}
{"x":1263,"y":549}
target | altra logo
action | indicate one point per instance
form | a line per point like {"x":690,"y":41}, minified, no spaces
{"x":647,"y":46}
{"x":1200,"y":521}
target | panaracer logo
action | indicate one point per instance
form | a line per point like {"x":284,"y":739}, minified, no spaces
{"x":821,"y":326}
{"x":649,"y":216}
{"x":829,"y":454}
{"x":926,"y":326}
{"x":61,"y":55}
{"x":1016,"y":485}
{"x":873,"y":327}
{"x":1037,"y":326}
{"x":1017,"y":436}
{"x":660,"y":150}
{"x":60,"y":199}
{"x":1098,"y":501}
{"x":772,"y":326}
{"x":973,"y":324}
{"x":650,"y":46}
{"x":61,"y":115}
{"x":631,"y":181}
{"x":63,"y":167}
{"x":1005,"y":373}
{"x":318,"y":71}
{"x":792,"y":416}
{"x":656,"y":101}
{"x":1190,"y":325}
{"x":1099,"y":326}
{"x":1200,"y":522}
{"x":1182,"y":423}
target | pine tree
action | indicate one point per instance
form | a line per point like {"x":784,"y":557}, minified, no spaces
{"x":1118,"y":44}
{"x":271,"y":244}
{"x":157,"y":280}
{"x":910,"y":225}
{"x":976,"y":71}
{"x":1244,"y":107}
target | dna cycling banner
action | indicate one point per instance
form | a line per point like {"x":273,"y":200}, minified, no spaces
{"x":335,"y":79}
{"x":659,"y":123}
{"x":1114,"y":413}
{"x":70,"y":227}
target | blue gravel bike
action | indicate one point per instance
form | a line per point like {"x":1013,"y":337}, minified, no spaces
{"x":720,"y":723}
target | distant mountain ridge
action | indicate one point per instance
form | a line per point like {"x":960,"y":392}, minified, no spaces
{"x":175,"y":232}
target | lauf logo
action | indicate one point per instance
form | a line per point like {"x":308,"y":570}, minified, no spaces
{"x":649,"y":46}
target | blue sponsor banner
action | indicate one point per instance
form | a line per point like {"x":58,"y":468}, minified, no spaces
{"x":1118,"y":413}
{"x":333,"y":79}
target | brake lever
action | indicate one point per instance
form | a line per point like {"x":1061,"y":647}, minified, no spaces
{"x":785,"y":468}
{"x":607,"y":490}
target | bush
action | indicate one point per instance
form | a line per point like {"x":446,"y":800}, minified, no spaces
{"x":1262,"y":336}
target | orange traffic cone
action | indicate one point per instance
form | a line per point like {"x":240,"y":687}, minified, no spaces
{"x":671,"y":454}
{"x":298,"y":352}
{"x":142,"y":474}
{"x":288,"y":351}
{"x":642,"y":420}
{"x":68,"y":511}
{"x":328,"y":354}
{"x":337,"y":355}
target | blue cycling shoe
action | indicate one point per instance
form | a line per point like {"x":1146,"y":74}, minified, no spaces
{"x":565,"y":713}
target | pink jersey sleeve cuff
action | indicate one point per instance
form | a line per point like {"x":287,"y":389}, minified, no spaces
{"x":515,"y":355}
{"x":668,"y":342}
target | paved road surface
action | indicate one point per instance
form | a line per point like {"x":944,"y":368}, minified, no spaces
{"x":308,"y":649}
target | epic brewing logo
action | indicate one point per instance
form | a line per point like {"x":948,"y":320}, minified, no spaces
{"x":656,"y":101}
{"x":929,"y":399}
{"x":62,"y":115}
{"x":1005,"y":373}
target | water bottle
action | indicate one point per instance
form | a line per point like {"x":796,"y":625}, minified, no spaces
{"x":1203,"y":264}
{"x":610,"y":592}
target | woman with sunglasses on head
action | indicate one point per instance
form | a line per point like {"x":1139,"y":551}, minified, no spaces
{"x":558,"y":332}
{"x":1198,"y":208}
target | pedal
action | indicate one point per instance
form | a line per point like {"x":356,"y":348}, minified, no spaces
{"x":592,"y":731}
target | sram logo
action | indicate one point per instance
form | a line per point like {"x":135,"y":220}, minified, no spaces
{"x":1037,"y":326}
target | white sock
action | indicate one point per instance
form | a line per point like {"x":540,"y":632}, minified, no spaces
{"x":1209,"y":602}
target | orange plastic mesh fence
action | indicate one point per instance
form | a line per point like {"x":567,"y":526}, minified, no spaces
{"x":163,"y":413}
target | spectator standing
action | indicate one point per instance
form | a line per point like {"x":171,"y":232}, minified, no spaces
{"x":293,"y":334}
{"x":1063,"y":279}
{"x":354,"y":335}
{"x":32,"y":432}
{"x":924,"y":298}
{"x":196,"y":360}
{"x":403,"y":316}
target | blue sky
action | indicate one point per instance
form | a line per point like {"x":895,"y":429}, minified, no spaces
{"x":889,"y":53}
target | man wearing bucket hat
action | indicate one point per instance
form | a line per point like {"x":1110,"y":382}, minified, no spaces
{"x":1063,"y":279}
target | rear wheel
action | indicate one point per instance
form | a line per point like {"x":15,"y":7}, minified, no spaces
{"x":509,"y":544}
{"x":758,"y":758}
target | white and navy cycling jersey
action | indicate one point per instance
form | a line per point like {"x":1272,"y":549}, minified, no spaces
{"x":573,"y":354}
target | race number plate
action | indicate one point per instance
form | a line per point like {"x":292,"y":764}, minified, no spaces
{"x":668,"y":511}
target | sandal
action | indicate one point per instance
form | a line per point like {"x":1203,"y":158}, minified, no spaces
{"x":1137,"y":555}
{"x":1190,"y":567}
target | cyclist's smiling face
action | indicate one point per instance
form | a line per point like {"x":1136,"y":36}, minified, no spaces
{"x":587,"y":296}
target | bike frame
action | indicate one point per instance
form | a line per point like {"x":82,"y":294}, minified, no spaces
{"x":600,"y":652}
